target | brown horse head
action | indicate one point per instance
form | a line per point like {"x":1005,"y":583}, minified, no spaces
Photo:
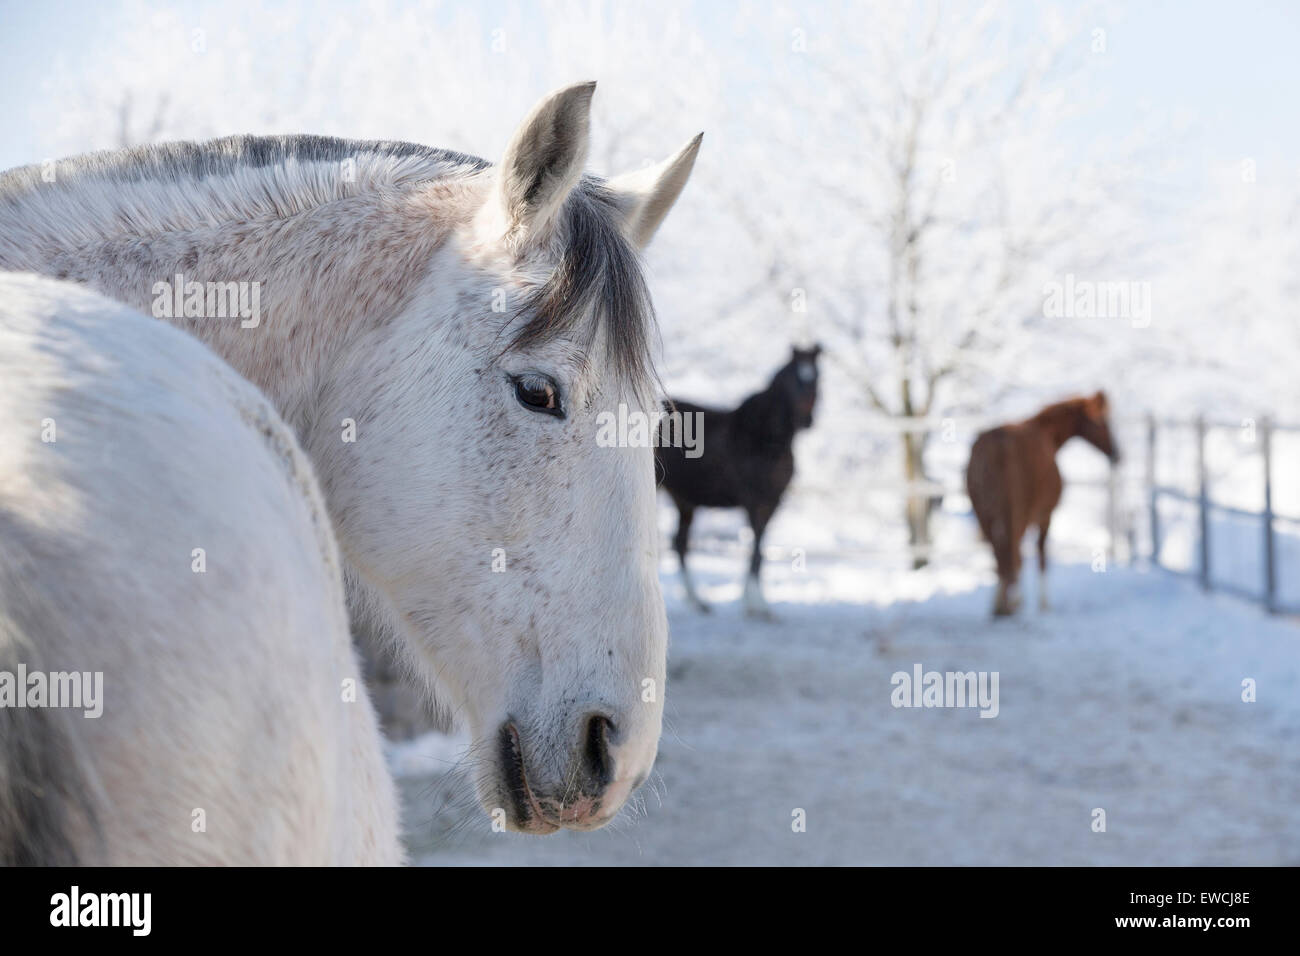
{"x":1094,"y":425}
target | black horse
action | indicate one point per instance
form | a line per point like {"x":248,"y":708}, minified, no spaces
{"x":745,"y":461}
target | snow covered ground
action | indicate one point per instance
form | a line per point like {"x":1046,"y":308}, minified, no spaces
{"x":1126,"y":696}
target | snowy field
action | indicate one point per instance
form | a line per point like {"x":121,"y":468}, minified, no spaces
{"x":1126,"y":696}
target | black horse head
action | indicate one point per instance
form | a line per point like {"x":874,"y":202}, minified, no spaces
{"x":797,"y":381}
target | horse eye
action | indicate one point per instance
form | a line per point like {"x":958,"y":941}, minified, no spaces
{"x":539,"y":393}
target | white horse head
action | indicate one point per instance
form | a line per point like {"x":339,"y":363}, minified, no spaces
{"x":517,"y":554}
{"x":469,"y":323}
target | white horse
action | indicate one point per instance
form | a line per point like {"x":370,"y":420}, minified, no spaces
{"x":442,"y":336}
{"x":159,"y":526}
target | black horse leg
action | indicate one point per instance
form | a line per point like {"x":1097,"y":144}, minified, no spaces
{"x":755,"y":604}
{"x":681,"y":542}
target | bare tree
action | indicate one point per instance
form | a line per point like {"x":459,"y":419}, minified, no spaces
{"x":938,"y":200}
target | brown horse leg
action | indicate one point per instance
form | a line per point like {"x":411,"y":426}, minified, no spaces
{"x":1042,"y":563}
{"x":1006,"y":550}
{"x":1013,"y":585}
{"x":681,"y":541}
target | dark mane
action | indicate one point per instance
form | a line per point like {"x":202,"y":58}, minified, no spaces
{"x":598,"y":283}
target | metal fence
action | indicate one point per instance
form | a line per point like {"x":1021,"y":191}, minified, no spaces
{"x":1206,"y":507}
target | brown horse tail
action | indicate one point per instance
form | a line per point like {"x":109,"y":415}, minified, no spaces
{"x":990,"y":498}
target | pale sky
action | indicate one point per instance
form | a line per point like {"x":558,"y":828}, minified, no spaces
{"x":1230,"y":71}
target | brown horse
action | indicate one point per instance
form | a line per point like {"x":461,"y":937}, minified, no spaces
{"x":1013,"y":483}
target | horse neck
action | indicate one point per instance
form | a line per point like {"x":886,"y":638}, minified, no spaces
{"x":770,"y":415}
{"x":1060,"y":422}
{"x":325,"y":275}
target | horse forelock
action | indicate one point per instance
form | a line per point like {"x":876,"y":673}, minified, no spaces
{"x":596,"y":288}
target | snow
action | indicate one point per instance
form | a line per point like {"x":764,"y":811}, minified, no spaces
{"x":1126,"y":696}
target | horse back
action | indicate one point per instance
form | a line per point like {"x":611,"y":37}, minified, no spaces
{"x":1012,"y":477}
{"x":704,"y":480}
{"x":170,"y":537}
{"x":740,"y":463}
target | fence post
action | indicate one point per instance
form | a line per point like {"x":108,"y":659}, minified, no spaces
{"x":1151,"y":488}
{"x":1270,"y":553}
{"x":1204,"y":498}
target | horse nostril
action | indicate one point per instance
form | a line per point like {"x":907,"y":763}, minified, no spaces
{"x":595,"y":748}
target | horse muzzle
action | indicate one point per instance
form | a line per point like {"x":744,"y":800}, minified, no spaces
{"x":583,"y":790}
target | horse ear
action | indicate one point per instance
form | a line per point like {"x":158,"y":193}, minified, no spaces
{"x":647,"y":194}
{"x":1100,"y":399}
{"x":544,"y":160}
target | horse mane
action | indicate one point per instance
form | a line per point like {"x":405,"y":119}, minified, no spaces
{"x":1063,"y":409}
{"x":1061,"y":418}
{"x":183,"y":186}
{"x":174,"y":187}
